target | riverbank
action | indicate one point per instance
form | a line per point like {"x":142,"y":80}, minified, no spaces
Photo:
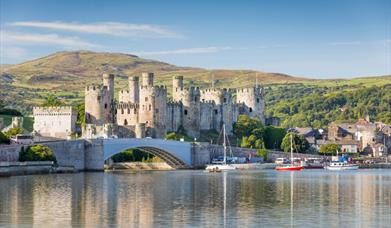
{"x":8,"y":169}
{"x":375,"y":166}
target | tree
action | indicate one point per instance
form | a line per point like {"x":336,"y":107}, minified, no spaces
{"x":80,"y":114}
{"x":329,"y":149}
{"x":4,"y":139}
{"x":300,"y":144}
{"x":51,"y":100}
{"x":252,"y":142}
{"x":14,"y":131}
{"x":262,"y":153}
{"x":37,"y":153}
{"x":245,"y":125}
{"x":273,"y":137}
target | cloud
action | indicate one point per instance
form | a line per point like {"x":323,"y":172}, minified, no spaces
{"x":45,"y":39}
{"x":105,"y":28}
{"x":348,"y":43}
{"x":184,"y":51}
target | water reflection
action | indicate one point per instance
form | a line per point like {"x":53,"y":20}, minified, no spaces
{"x":195,"y":198}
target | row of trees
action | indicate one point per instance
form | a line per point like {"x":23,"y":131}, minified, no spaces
{"x":304,"y":106}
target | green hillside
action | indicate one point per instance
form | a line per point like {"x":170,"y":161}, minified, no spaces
{"x":65,"y":74}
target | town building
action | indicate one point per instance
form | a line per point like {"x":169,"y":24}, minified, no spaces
{"x":144,"y":109}
{"x":56,"y":122}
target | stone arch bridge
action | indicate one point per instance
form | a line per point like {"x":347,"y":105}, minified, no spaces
{"x":176,"y":154}
{"x":90,"y":154}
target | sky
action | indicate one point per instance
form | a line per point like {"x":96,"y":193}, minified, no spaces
{"x":308,"y":38}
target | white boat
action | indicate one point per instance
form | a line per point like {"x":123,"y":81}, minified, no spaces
{"x":223,"y":165}
{"x":337,"y":166}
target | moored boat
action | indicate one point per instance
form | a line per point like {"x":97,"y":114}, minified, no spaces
{"x":292,"y":166}
{"x":289,"y":168}
{"x":338,"y":165}
{"x":223,"y":165}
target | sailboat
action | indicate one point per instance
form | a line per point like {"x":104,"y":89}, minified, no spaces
{"x":224,"y":165}
{"x":292,"y":166}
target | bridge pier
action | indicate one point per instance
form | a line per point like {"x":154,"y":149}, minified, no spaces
{"x":94,"y":155}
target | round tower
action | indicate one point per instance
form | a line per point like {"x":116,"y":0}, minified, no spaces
{"x":177,"y":87}
{"x":93,"y":107}
{"x":190,"y":98}
{"x":147,"y":79}
{"x":108,"y":81}
{"x":133,"y":89}
{"x":253,"y":100}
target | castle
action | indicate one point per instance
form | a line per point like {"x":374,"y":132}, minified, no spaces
{"x":144,"y":110}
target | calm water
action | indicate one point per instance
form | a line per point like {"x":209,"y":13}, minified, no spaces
{"x":195,"y":198}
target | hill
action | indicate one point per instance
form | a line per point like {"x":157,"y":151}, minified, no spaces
{"x":65,"y":74}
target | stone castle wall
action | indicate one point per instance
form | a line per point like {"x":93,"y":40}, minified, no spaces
{"x":190,"y":107}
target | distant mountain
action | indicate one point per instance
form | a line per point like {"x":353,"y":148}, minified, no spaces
{"x":67,"y":73}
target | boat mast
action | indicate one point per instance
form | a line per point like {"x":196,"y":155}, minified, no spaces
{"x":291,"y":150}
{"x":225,"y":146}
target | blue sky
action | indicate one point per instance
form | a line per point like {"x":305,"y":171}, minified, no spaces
{"x":317,"y":39}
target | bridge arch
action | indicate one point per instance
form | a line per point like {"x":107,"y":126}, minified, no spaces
{"x":174,"y":153}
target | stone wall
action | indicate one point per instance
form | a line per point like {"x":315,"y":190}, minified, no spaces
{"x":69,"y":153}
{"x":94,"y":155}
{"x":9,"y":153}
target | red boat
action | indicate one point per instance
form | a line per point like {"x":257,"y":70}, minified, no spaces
{"x":289,"y":168}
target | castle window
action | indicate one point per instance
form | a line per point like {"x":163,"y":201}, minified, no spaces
{"x":98,"y":98}
{"x":225,"y":100}
{"x":257,"y":100}
{"x":105,"y":106}
{"x":128,"y":110}
{"x":203,"y":100}
{"x":150,"y":107}
{"x":185,"y":112}
{"x":125,"y":122}
{"x":157,"y":110}
{"x":216,"y":111}
{"x":146,"y":99}
{"x":251,"y":109}
{"x":122,"y":111}
{"x":195,"y":99}
{"x":176,"y":89}
{"x":134,"y":111}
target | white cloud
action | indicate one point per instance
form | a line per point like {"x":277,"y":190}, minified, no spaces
{"x":44,"y":39}
{"x":348,"y":43}
{"x":105,"y":28}
{"x":184,"y":51}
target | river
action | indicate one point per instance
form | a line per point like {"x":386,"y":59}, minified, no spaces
{"x":311,"y":198}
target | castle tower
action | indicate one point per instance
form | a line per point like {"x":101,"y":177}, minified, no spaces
{"x":147,"y":79}
{"x":152,"y":106}
{"x":252,"y":99}
{"x":133,"y":89}
{"x":108,"y":81}
{"x":99,"y":102}
{"x":177,"y":87}
{"x":190,"y":98}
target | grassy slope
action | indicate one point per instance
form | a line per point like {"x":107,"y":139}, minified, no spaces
{"x":67,"y":73}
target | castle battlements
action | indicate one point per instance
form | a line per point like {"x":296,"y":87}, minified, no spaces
{"x":191,"y":107}
{"x":123,"y":105}
{"x":54,"y":110}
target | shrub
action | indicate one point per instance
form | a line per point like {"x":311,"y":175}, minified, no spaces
{"x":13,"y":131}
{"x":37,"y":153}
{"x":262,"y":153}
{"x":4,"y":139}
